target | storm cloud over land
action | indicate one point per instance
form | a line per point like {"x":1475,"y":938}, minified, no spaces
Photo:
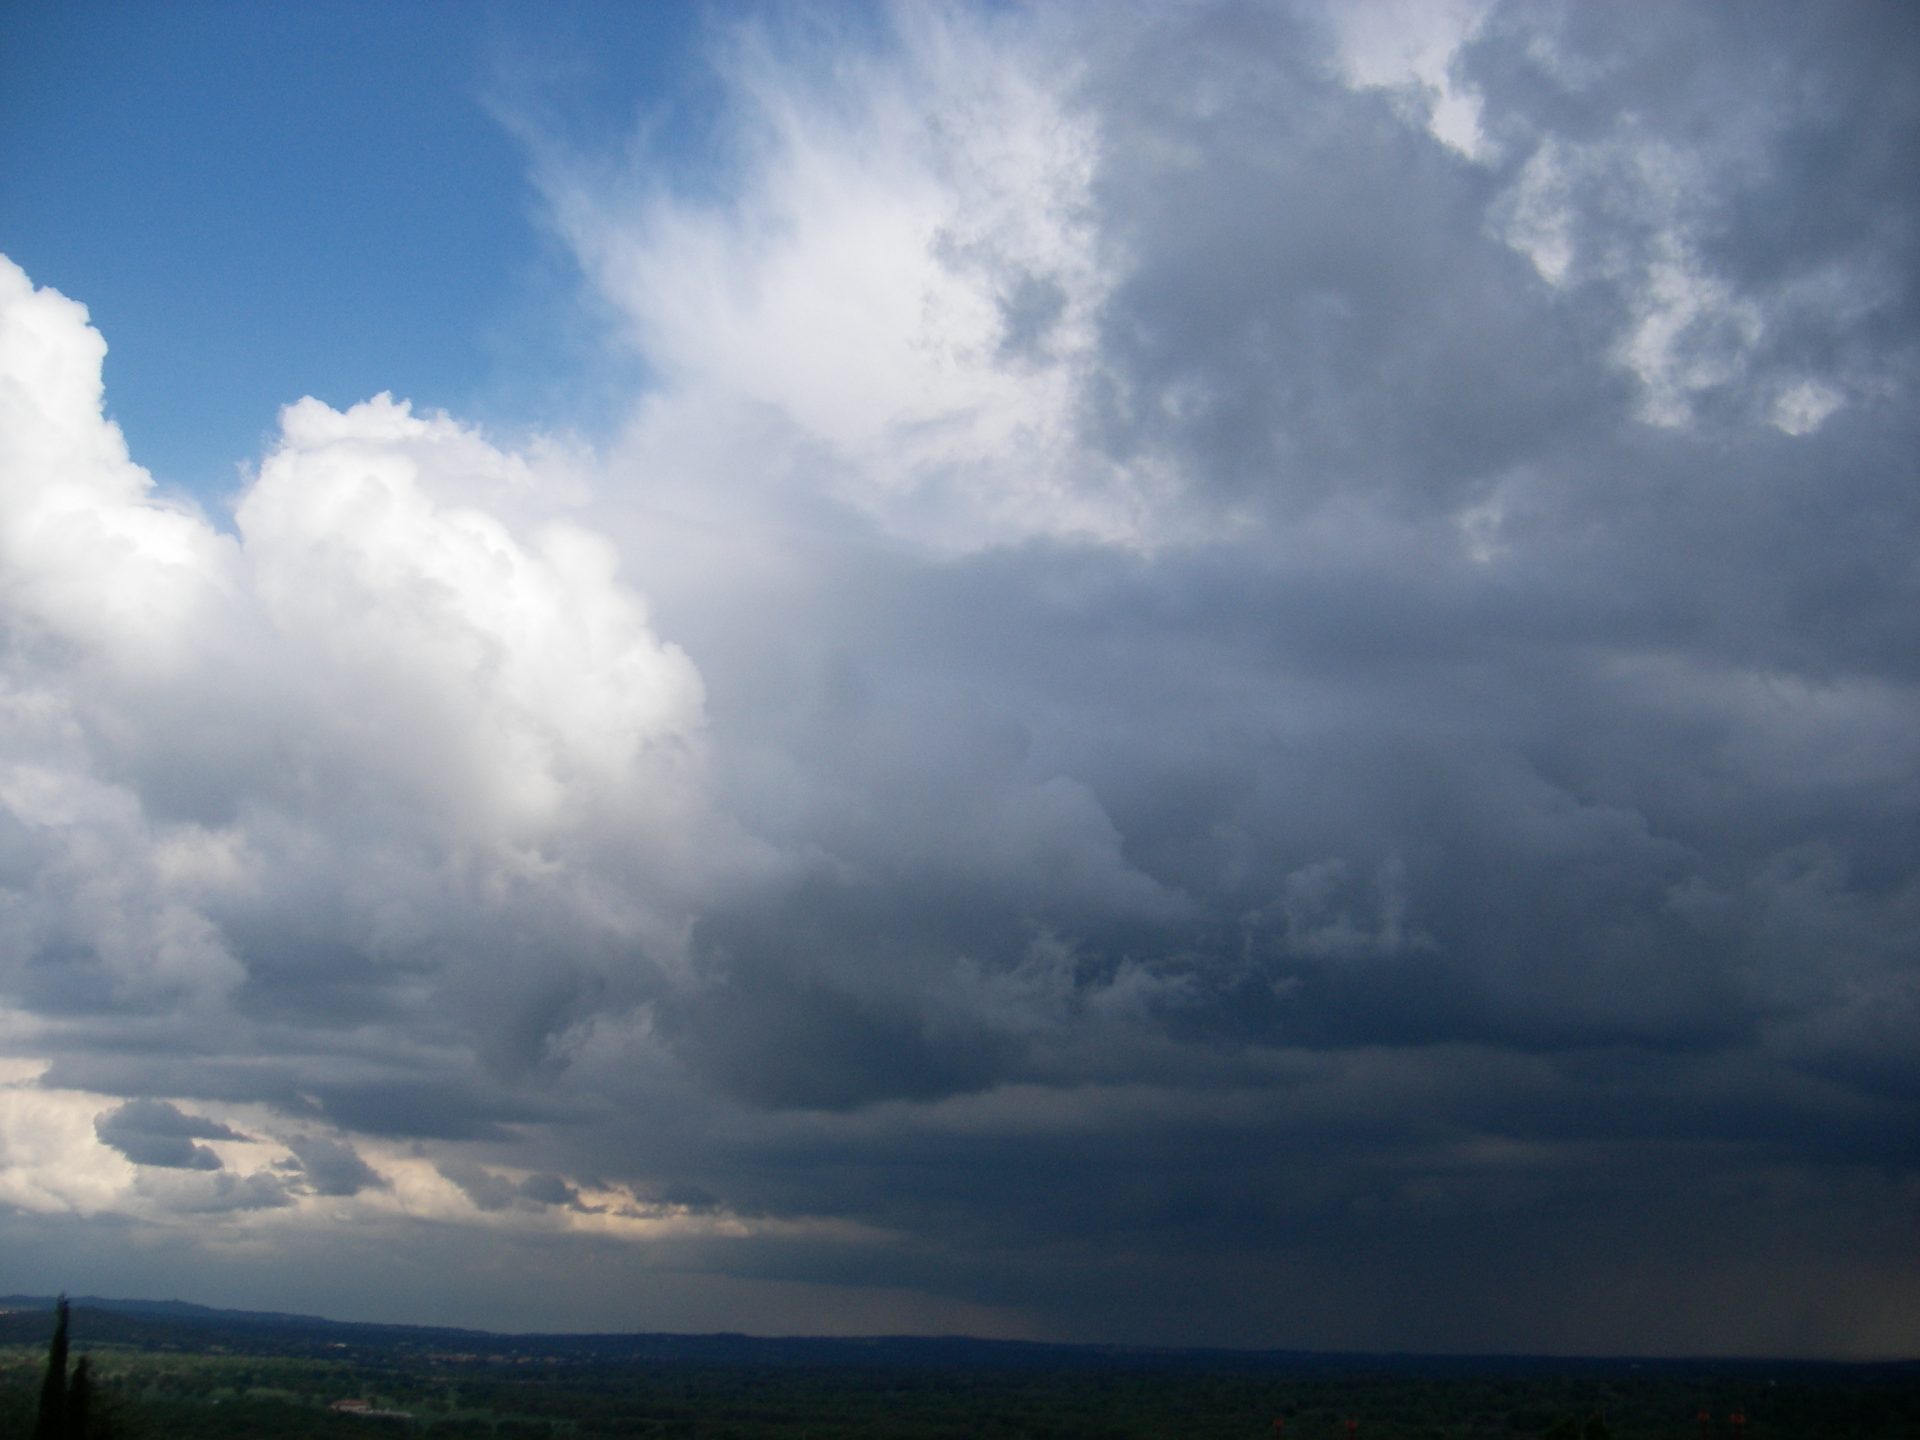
{"x":1223,"y":678}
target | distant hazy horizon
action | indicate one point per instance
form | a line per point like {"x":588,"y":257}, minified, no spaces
{"x":917,"y":1344}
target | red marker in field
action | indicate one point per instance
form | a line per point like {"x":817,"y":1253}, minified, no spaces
{"x":1353,"y":1427}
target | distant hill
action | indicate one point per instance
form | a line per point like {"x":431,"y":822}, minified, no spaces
{"x":178,"y":1324}
{"x":163,"y":1324}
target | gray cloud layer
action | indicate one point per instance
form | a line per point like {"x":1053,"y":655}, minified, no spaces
{"x":1349,"y":733}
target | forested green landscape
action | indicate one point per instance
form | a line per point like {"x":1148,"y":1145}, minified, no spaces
{"x":180,"y":1371}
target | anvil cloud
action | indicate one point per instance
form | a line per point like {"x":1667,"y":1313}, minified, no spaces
{"x":1237,"y":675}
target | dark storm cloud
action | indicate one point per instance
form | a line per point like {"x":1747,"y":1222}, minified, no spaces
{"x":491,"y":1191}
{"x":152,"y":1132}
{"x":331,"y":1167}
{"x":1509,"y":816}
{"x":550,"y":1189}
{"x":1316,"y":307}
{"x":487,"y":1190}
{"x":227,"y":1194}
{"x":454,"y":1106}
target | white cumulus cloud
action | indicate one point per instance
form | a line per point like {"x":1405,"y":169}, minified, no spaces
{"x":407,"y":699}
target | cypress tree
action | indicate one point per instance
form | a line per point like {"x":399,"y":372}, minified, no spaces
{"x":79,"y":1400}
{"x":51,"y":1423}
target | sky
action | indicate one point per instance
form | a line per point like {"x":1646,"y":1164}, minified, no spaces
{"x":1196,"y":673}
